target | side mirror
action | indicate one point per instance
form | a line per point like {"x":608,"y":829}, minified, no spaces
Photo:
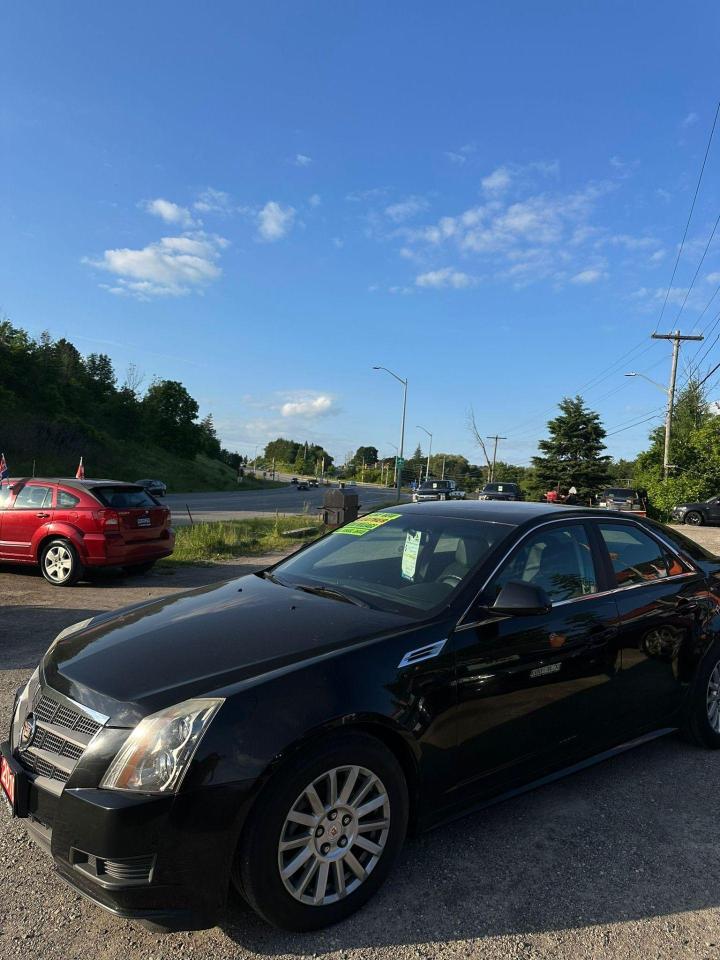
{"x":522,"y":599}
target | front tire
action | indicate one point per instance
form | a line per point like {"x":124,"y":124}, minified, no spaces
{"x":694,"y":518}
{"x":702,"y":720}
{"x":60,"y":563}
{"x":325,"y":833}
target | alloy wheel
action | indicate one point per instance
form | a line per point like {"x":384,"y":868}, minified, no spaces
{"x":713,"y":699}
{"x":693,"y":518}
{"x":334,"y":835}
{"x":58,"y":563}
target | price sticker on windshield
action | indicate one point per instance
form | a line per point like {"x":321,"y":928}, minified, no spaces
{"x":410,"y":554}
{"x":363,"y":525}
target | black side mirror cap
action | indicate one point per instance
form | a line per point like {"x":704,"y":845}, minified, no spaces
{"x":522,"y":599}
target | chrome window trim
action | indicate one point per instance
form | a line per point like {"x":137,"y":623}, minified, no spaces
{"x":686,"y":561}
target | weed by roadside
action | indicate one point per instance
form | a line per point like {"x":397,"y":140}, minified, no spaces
{"x":223,"y":540}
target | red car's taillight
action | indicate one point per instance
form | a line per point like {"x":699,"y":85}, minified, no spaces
{"x":109,"y":520}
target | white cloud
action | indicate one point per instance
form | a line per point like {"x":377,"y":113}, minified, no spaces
{"x":713,"y":278}
{"x":301,"y":160}
{"x":446,"y":277}
{"x":173,"y":266}
{"x":169,"y":212}
{"x":658,"y":256}
{"x":338,"y":243}
{"x":403,"y":291}
{"x":590,"y":275}
{"x":459,"y":157}
{"x":275,"y":221}
{"x":689,"y":120}
{"x":498,"y":181}
{"x":315,"y":200}
{"x":405,"y":209}
{"x":211,"y":200}
{"x":308,"y":405}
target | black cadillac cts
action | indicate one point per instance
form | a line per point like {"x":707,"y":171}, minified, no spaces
{"x":280,"y":733}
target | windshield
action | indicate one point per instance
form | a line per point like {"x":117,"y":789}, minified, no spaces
{"x":621,"y":493}
{"x":498,"y":487}
{"x":126,"y":497}
{"x":402,"y":563}
{"x":434,"y":484}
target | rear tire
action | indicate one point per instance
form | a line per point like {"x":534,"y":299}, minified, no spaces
{"x":336,"y":875}
{"x":694,"y":518}
{"x":702,"y":718}
{"x":60,"y":563}
{"x":139,"y":568}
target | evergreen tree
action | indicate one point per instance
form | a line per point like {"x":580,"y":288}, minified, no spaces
{"x":572,"y":455}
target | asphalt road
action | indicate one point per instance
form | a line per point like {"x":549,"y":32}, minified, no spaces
{"x":234,"y":505}
{"x":618,"y":862}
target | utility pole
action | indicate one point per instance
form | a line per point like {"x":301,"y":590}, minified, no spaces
{"x":494,"y":459}
{"x":677,"y":338}
{"x":442,"y":477}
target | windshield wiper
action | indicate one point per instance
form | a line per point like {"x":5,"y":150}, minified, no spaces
{"x":331,"y":594}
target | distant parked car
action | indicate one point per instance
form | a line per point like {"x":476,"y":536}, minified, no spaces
{"x":294,"y":480}
{"x":154,"y":487}
{"x":68,"y":526}
{"x":313,"y":481}
{"x":438,"y":490}
{"x":302,"y":485}
{"x":626,"y":499}
{"x":697,"y":514}
{"x":501,"y":491}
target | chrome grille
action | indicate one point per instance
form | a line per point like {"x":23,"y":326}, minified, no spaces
{"x":61,"y":736}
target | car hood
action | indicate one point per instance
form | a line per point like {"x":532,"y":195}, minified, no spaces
{"x":690,"y":506}
{"x":136,"y":661}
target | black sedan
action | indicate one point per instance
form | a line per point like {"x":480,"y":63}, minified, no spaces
{"x":698,"y":513}
{"x":279,"y":734}
{"x":155,"y":488}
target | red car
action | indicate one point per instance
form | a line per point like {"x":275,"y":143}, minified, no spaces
{"x":69,"y":525}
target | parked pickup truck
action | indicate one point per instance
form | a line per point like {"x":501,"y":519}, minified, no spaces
{"x":438,"y":490}
{"x":627,"y":499}
{"x":501,"y":491}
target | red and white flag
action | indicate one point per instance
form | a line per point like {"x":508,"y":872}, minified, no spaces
{"x":80,"y":473}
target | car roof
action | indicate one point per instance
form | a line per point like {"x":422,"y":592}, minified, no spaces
{"x":497,"y":511}
{"x":72,"y":482}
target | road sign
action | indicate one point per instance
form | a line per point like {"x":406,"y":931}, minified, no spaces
{"x":400,"y":461}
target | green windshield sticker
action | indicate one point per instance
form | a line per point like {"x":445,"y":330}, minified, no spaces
{"x":410,"y":554}
{"x":363,"y":525}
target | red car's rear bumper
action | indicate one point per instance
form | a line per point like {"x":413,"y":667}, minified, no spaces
{"x":111,"y":550}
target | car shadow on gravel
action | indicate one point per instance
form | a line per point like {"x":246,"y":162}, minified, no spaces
{"x":632,"y":838}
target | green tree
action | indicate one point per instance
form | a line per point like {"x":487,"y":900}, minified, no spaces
{"x":572,"y":454}
{"x":367,"y":455}
{"x":170,"y":413}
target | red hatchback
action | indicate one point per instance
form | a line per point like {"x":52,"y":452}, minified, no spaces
{"x":69,"y":525}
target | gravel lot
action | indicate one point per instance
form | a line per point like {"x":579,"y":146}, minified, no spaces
{"x":616,"y":862}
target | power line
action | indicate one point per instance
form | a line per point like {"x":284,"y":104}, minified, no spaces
{"x":687,"y":225}
{"x":697,"y":269}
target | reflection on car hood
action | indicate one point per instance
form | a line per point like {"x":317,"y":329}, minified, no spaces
{"x":142,"y":659}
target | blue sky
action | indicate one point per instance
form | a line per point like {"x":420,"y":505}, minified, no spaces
{"x":264,"y":200}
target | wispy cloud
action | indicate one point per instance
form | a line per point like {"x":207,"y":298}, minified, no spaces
{"x":406,"y":209}
{"x":445,"y":277}
{"x":689,"y":120}
{"x":171,"y":267}
{"x":497,"y":182}
{"x":315,"y":200}
{"x":585,"y":277}
{"x":211,"y":200}
{"x":302,"y":160}
{"x":170,"y":212}
{"x":275,"y":221}
{"x":460,"y":156}
{"x":308,"y":406}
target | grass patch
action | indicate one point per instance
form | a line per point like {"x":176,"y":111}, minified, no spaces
{"x":227,"y":539}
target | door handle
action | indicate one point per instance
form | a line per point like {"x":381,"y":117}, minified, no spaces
{"x":42,"y":515}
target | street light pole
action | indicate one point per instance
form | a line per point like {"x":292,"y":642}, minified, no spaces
{"x":427,"y":466}
{"x":402,"y":425}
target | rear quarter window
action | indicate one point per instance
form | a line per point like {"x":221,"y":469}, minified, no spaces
{"x":124,"y":498}
{"x":66,"y":499}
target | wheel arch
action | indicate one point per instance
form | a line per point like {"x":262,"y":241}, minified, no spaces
{"x":56,"y":532}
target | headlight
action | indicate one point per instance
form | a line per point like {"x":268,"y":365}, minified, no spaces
{"x":157,"y":754}
{"x":68,"y":631}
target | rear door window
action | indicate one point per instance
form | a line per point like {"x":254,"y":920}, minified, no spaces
{"x":635,"y":556}
{"x":124,"y":498}
{"x":34,"y":497}
{"x":66,"y":499}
